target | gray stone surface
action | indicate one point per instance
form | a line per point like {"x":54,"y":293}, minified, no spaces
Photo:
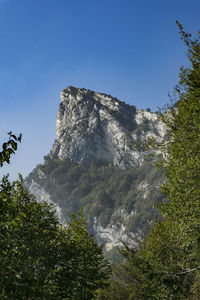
{"x":94,"y":125}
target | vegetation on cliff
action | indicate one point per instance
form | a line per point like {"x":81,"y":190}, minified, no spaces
{"x":102,"y":190}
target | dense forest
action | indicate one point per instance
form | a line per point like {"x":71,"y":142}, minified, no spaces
{"x":42,"y":259}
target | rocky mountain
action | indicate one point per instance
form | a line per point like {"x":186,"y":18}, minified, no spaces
{"x":94,"y":163}
{"x":97,"y":126}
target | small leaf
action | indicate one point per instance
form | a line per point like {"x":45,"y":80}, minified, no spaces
{"x":4,"y":146}
{"x":13,"y":144}
{"x":19,"y":138}
{"x":14,"y":223}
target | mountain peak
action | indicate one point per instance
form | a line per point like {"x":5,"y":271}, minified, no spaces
{"x":93,"y":125}
{"x":87,"y":94}
{"x":98,"y":131}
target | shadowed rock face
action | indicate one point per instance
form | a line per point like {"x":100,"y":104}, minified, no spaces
{"x":94,"y":125}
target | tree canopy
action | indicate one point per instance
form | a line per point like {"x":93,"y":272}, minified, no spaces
{"x":40,"y":258}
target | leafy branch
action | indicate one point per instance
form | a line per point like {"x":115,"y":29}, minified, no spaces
{"x":9,"y":148}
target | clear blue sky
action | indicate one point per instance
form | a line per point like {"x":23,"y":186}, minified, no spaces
{"x":127,"y":48}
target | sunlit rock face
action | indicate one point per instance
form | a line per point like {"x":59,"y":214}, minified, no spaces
{"x":95,"y":125}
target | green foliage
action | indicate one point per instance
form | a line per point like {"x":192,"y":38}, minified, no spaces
{"x":41,"y":259}
{"x":119,"y":285}
{"x":167,"y":266}
{"x":92,"y":270}
{"x":9,"y":148}
{"x":28,"y":230}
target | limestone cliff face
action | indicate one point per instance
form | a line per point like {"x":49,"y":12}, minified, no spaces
{"x":94,"y":125}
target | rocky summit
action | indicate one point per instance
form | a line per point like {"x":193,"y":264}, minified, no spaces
{"x":95,"y":164}
{"x":95,"y":125}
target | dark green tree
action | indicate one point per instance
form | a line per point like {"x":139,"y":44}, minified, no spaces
{"x":92,"y":271}
{"x":167,"y":266}
{"x":119,"y":285}
{"x":40,"y":258}
{"x":28,"y":240}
